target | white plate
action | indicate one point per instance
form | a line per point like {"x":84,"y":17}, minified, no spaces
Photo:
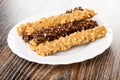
{"x":73,"y":55}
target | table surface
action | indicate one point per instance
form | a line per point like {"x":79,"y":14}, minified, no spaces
{"x":103,"y":67}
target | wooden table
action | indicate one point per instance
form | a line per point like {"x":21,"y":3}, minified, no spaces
{"x":103,"y":67}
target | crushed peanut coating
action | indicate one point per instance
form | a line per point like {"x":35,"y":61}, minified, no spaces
{"x":30,"y":27}
{"x":64,"y":43}
{"x":33,"y":44}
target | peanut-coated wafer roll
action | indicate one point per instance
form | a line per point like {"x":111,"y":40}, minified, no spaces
{"x":64,"y":43}
{"x":55,"y":20}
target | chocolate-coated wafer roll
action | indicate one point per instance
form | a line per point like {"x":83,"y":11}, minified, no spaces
{"x":30,"y":27}
{"x":52,"y":33}
{"x":64,"y":43}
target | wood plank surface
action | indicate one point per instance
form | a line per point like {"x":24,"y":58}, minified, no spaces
{"x":103,"y":67}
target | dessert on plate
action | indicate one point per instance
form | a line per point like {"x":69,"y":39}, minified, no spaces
{"x":61,"y":32}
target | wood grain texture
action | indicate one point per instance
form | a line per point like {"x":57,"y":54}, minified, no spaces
{"x":103,"y":67}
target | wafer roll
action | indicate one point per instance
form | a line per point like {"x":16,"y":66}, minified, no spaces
{"x":55,"y":20}
{"x":64,"y":43}
{"x":52,"y":33}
